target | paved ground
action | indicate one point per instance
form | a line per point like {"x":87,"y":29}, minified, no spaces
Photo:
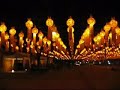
{"x":79,"y":77}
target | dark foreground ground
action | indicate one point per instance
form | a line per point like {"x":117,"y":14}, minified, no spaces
{"x":77,"y":77}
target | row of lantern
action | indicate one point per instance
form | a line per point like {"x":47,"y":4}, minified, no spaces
{"x":32,"y":45}
{"x":98,"y":46}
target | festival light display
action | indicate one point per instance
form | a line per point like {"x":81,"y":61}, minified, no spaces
{"x":104,"y":45}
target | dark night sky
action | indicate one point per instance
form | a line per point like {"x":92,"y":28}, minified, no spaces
{"x":16,"y":12}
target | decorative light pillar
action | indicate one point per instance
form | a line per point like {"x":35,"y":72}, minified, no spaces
{"x":28,"y":45}
{"x":91,"y":21}
{"x":113,"y":24}
{"x":117,"y":30}
{"x":45,"y":44}
{"x":40,"y":35}
{"x":107,"y":28}
{"x":34,"y":31}
{"x":6,"y":42}
{"x":3,"y":28}
{"x":49,"y":23}
{"x":21,"y":35}
{"x":29,"y":25}
{"x":12,"y":32}
{"x":0,"y":42}
{"x":70,"y":22}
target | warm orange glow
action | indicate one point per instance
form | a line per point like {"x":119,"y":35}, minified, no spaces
{"x":107,"y":27}
{"x":113,"y":23}
{"x":3,"y":27}
{"x":102,"y":33}
{"x":40,"y":35}
{"x":17,"y":48}
{"x":12,"y":31}
{"x":29,"y":24}
{"x":81,"y":41}
{"x":6,"y":36}
{"x":44,"y":40}
{"x":117,"y":30}
{"x":49,"y":22}
{"x":21,"y":34}
{"x":91,"y":21}
{"x":35,"y":30}
{"x":48,"y":42}
{"x":70,"y":22}
{"x":54,"y":36}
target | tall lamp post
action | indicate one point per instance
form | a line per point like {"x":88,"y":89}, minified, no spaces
{"x":49,"y":24}
{"x":12,"y":32}
{"x":107,"y":28}
{"x":21,"y":35}
{"x":40,"y":35}
{"x":113,"y":24}
{"x":91,"y":21}
{"x":3,"y":28}
{"x":34,"y":31}
{"x":29,"y":25}
{"x":70,"y":22}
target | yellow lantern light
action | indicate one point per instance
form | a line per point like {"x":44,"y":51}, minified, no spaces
{"x":95,"y":39}
{"x":49,"y":22}
{"x":117,"y":30}
{"x":57,"y":35}
{"x":98,"y":37}
{"x":6,"y":36}
{"x":21,"y":34}
{"x":17,"y":48}
{"x":113,"y":23}
{"x":40,"y":35}
{"x":3,"y":27}
{"x":70,"y":22}
{"x":48,"y":42}
{"x":54,"y":36}
{"x":78,"y":46}
{"x":107,"y":27}
{"x":29,"y":24}
{"x":102,"y":33}
{"x":81,"y":41}
{"x":110,"y":35}
{"x":91,"y":21}
{"x":44,"y":40}
{"x":35,"y":30}
{"x":12,"y":31}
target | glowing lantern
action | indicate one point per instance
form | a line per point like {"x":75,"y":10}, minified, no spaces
{"x":34,"y":31}
{"x":117,"y":30}
{"x":44,"y":40}
{"x":70,"y":22}
{"x":113,"y":23}
{"x":107,"y":27}
{"x":49,"y":22}
{"x":40,"y":35}
{"x":29,"y":24}
{"x":6,"y":36}
{"x":91,"y":21}
{"x":3,"y":27}
{"x":102,"y":33}
{"x":21,"y":41}
{"x":12,"y":31}
{"x":21,"y":34}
